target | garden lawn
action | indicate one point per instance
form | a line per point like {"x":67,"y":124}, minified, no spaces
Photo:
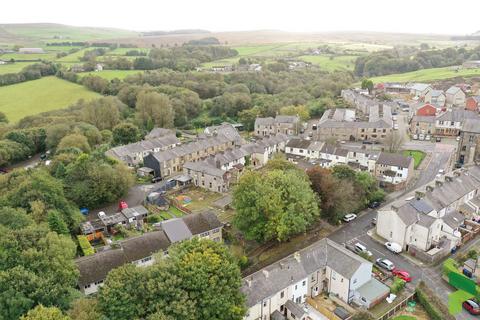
{"x":33,"y":97}
{"x":110,"y":74}
{"x":404,"y":318}
{"x":428,"y":75}
{"x":417,"y":155}
{"x":176,"y":212}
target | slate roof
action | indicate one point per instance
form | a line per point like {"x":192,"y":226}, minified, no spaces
{"x":191,"y":148}
{"x":429,"y":119}
{"x":372,"y":290}
{"x":420,"y":86}
{"x":145,"y":245}
{"x":264,"y":121}
{"x":176,"y":230}
{"x":453,"y":219}
{"x":142,"y":146}
{"x":279,"y":275}
{"x":202,"y":222}
{"x":159,"y":132}
{"x":471,"y":125}
{"x":393,"y":159}
{"x":458,"y":115}
{"x":286,"y":119}
{"x":202,"y":166}
{"x":295,"y":309}
{"x":226,"y":129}
{"x":299,"y":143}
{"x":437,"y":93}
{"x":332,"y":149}
{"x":453,"y":90}
{"x":96,"y":267}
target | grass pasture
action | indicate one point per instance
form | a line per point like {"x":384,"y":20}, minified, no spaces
{"x":29,"y":56}
{"x":13,"y":67}
{"x":427,"y":75}
{"x":33,"y":97}
{"x":123,"y":51}
{"x":331,"y":63}
{"x":417,"y":156}
{"x":74,"y":57}
{"x":111,"y":74}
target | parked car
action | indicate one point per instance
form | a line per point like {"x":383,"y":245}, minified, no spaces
{"x":374,"y":204}
{"x":360,"y":248}
{"x":101,"y":214}
{"x":458,"y":138}
{"x":374,"y":221}
{"x":349,"y":217}
{"x":428,"y":137}
{"x":472,"y":307}
{"x":438,"y":139}
{"x":394,"y":117}
{"x":421,"y":136}
{"x":402,"y":274}
{"x":394,"y":247}
{"x":395,"y":126}
{"x":385,"y":264}
{"x":156,"y":179}
{"x":314,"y":127}
{"x":415,"y":137}
{"x":441,"y":171}
{"x":367,"y":142}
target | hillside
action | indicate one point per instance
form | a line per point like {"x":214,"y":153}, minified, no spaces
{"x":44,"y":94}
{"x":50,"y":32}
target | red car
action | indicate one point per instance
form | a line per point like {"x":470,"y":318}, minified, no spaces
{"x":402,"y":274}
{"x":472,"y":307}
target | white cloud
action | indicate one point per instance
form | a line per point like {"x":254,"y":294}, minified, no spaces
{"x":412,"y":16}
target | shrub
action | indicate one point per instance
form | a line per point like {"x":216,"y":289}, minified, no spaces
{"x":85,"y":245}
{"x":397,"y":285}
{"x":432,"y":305}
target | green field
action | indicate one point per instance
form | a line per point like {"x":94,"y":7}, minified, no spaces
{"x":417,"y":155}
{"x":25,"y":56}
{"x":58,"y":33}
{"x":428,"y":75}
{"x":32,"y":97}
{"x":74,"y":57}
{"x":111,"y":74}
{"x":123,"y":51}
{"x":331,"y":63}
{"x":13,"y":67}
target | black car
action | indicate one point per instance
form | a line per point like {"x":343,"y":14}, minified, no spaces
{"x":374,"y":204}
{"x":156,"y":179}
{"x":367,"y":142}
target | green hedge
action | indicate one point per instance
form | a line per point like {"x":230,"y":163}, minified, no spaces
{"x":397,"y":285}
{"x":85,"y":245}
{"x":432,"y":305}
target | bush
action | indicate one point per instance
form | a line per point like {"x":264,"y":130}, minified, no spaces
{"x":397,"y":285}
{"x":432,"y":305}
{"x":85,"y":245}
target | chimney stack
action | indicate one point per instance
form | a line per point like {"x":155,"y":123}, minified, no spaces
{"x":296,"y":255}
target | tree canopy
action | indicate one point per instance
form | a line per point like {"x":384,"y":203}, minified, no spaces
{"x":275,"y":204}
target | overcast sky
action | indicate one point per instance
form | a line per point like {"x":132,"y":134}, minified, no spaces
{"x":411,"y":16}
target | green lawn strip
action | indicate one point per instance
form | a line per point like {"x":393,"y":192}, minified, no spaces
{"x":36,"y":96}
{"x":417,"y":156}
{"x":456,"y":299}
{"x":166,"y":215}
{"x":404,"y":318}
{"x":176,"y":212}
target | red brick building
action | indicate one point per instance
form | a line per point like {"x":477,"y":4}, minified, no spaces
{"x":426,"y":110}
{"x":472,"y":103}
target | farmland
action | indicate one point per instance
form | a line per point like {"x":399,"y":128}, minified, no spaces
{"x":13,"y":67}
{"x":331,"y":63}
{"x":111,"y":74}
{"x":32,"y":97}
{"x":428,"y":75}
{"x":51,"y":32}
